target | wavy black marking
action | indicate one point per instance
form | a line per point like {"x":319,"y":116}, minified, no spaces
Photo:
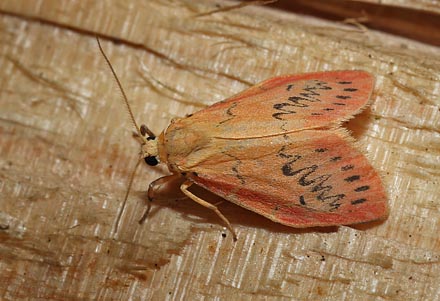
{"x":343,"y":96}
{"x":235,"y":168}
{"x":301,"y":200}
{"x":289,"y":87}
{"x":237,"y":174}
{"x":339,"y":104}
{"x":229,"y":113}
{"x":295,"y":157}
{"x":295,"y":101}
{"x":281,"y":153}
{"x":316,"y":184}
{"x":310,"y":94}
{"x":321,"y":150}
{"x":350,"y":89}
{"x":344,"y":83}
{"x":284,"y":108}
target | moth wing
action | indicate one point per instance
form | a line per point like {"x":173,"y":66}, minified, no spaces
{"x":304,"y":179}
{"x":288,"y":103}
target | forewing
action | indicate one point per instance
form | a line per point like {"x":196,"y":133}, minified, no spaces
{"x":304,"y":179}
{"x":288,"y":103}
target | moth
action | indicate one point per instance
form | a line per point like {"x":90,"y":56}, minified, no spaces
{"x":277,"y":149}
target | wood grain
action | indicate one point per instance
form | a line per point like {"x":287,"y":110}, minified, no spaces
{"x":67,"y":152}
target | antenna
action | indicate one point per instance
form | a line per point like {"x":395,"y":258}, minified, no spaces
{"x":124,"y":96}
{"x":140,"y":131}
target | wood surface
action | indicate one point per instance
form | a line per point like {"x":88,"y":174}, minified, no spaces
{"x":67,"y":153}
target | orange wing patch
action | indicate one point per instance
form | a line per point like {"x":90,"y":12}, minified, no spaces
{"x":286,"y":104}
{"x":304,"y":179}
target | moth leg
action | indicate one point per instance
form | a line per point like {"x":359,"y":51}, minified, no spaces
{"x":184,"y":187}
{"x":155,"y":189}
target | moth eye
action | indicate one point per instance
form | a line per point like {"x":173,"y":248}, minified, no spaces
{"x":151,"y":160}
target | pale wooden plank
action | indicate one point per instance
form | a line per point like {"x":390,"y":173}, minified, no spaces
{"x":67,"y":153}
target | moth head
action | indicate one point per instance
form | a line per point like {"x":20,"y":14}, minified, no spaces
{"x":148,"y":146}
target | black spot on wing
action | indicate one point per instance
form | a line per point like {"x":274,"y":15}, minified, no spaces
{"x":362,"y":188}
{"x":321,"y":150}
{"x":350,"y":89}
{"x":339,"y":104}
{"x":335,"y":159}
{"x":358,"y":201}
{"x":352,"y":178}
{"x":343,"y":96}
{"x":301,"y":200}
{"x":344,"y":83}
{"x":347,"y":167}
